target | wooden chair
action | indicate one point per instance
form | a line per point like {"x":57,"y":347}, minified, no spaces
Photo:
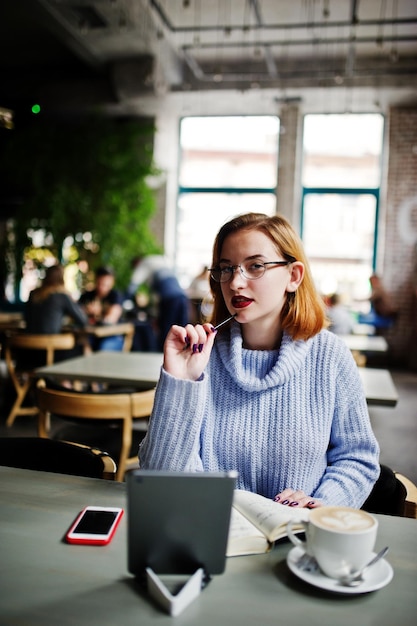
{"x":21,"y":377}
{"x":60,"y":457}
{"x":410,"y":505}
{"x":128,"y":337}
{"x":392,"y":494}
{"x":126,"y":329}
{"x":103,"y":419}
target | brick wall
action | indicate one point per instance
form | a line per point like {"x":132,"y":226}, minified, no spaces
{"x":399,"y":266}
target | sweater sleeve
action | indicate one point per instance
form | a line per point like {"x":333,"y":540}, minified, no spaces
{"x":173,"y":438}
{"x":353,"y":453}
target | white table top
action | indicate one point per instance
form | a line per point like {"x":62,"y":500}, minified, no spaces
{"x":363,"y":343}
{"x":47,"y":582}
{"x":142,"y":370}
{"x":379,"y":386}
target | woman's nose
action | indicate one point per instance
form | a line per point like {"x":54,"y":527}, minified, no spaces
{"x":237,"y":278}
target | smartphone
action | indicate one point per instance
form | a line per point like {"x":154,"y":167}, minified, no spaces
{"x":95,"y":525}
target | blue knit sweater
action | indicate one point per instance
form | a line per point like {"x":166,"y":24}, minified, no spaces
{"x":294,"y":417}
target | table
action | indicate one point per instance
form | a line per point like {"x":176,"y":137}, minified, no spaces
{"x":11,"y":321}
{"x":379,"y":386}
{"x":47,"y":582}
{"x":142,"y":369}
{"x":362,"y":346}
{"x":105,"y":330}
{"x":363,"y":343}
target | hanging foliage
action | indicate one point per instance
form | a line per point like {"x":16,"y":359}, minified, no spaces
{"x":85,"y":176}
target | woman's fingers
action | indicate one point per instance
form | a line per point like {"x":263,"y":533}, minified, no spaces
{"x":197,"y":337}
{"x":296,"y":498}
{"x":187,"y":350}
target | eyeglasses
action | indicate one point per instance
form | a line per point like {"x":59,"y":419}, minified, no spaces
{"x":252,"y":270}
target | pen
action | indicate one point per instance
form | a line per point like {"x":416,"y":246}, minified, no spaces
{"x":224,"y":322}
{"x":187,"y":341}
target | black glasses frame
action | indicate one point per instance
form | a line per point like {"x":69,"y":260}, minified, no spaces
{"x":232,"y":268}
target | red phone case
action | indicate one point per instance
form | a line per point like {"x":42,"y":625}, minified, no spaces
{"x":98,"y":540}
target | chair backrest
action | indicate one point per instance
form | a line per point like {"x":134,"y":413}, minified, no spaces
{"x":21,"y":356}
{"x":95,"y":408}
{"x":61,"y":457}
{"x":128,"y":337}
{"x":388,"y":495}
{"x":142,"y":403}
{"x":80,"y":405}
{"x":410,"y":505}
{"x":48,"y":343}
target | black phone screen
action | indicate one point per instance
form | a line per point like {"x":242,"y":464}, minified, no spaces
{"x":95,"y":522}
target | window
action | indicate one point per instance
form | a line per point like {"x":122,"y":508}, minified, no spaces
{"x":228,"y":165}
{"x":341,"y":178}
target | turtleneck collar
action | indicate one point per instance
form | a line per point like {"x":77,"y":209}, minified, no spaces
{"x":257,"y":370}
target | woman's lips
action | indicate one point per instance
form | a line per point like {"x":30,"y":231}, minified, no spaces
{"x":238,"y":302}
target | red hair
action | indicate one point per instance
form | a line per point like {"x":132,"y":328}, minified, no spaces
{"x":52,"y":283}
{"x":303,"y":314}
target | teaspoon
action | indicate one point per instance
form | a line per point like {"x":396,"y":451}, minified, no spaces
{"x":355,"y":578}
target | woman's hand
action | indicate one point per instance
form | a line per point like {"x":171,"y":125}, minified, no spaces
{"x":291,"y":497}
{"x":187,"y":350}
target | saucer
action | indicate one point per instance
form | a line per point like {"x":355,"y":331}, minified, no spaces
{"x":376,"y":577}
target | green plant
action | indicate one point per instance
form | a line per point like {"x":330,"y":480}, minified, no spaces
{"x":84,"y":181}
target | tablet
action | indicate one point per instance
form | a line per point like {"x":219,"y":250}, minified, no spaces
{"x":178,"y":522}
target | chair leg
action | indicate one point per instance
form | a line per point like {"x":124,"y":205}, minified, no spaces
{"x":13,"y":413}
{"x":17,"y":408}
{"x":126,"y":444}
{"x":44,"y":423}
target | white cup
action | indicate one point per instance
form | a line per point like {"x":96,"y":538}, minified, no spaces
{"x":340,"y":538}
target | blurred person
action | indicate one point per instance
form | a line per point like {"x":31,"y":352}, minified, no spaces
{"x":48,"y":307}
{"x":383,"y":312}
{"x":171,"y":301}
{"x":200,"y":285}
{"x":200,"y":296}
{"x":103,"y":305}
{"x":138,"y":310}
{"x":49,"y":304}
{"x":381,"y":301}
{"x":341,"y":321}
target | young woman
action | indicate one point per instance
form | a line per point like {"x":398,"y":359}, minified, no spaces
{"x":50,"y":304}
{"x":45,"y":312}
{"x":272,"y":394}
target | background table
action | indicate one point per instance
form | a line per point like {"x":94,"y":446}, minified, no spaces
{"x":362,"y":347}
{"x":127,"y":329}
{"x":11,"y":322}
{"x":379,"y":386}
{"x":47,"y":582}
{"x":139,"y":369}
{"x":363,"y":343}
{"x":142,"y":370}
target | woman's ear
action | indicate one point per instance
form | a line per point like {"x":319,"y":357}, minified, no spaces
{"x":296,"y":276}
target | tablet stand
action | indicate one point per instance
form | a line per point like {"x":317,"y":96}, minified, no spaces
{"x":175,"y":603}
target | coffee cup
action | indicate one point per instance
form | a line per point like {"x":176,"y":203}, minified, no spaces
{"x":341,"y":539}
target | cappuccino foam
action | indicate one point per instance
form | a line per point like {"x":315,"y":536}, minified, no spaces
{"x":342,"y":519}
